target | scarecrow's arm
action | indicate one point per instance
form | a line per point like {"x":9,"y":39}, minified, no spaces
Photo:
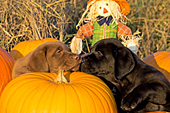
{"x":85,"y":31}
{"x":123,"y":31}
{"x":129,"y":40}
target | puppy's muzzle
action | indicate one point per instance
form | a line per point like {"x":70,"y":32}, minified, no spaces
{"x":77,"y":57}
{"x":84,"y":55}
{"x":76,"y":62}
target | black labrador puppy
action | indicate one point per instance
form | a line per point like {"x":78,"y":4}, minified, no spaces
{"x":48,"y":57}
{"x":142,"y":87}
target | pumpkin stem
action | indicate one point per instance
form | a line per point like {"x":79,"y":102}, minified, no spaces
{"x":60,"y":78}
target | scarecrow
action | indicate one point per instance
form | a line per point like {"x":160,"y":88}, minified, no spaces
{"x":105,"y":19}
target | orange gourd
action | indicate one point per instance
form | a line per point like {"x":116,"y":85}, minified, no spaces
{"x":6,"y":65}
{"x":23,"y":48}
{"x":161,"y":61}
{"x":43,"y":93}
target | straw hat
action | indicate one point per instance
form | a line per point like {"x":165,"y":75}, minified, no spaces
{"x":124,"y":5}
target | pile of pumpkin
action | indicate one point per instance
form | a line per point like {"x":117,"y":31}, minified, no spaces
{"x":47,"y":93}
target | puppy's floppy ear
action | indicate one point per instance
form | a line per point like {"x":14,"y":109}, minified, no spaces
{"x":37,"y":59}
{"x":124,"y":62}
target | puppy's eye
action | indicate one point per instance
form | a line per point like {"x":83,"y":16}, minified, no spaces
{"x":107,"y":4}
{"x":59,"y":51}
{"x":98,"y":54}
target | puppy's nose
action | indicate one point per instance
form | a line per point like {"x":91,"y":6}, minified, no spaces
{"x":76,"y":57}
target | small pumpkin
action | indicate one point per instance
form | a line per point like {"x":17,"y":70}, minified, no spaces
{"x":23,"y":48}
{"x":161,"y":61}
{"x":6,"y":65}
{"x":45,"y":93}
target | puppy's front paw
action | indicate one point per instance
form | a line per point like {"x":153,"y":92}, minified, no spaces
{"x":130,"y":102}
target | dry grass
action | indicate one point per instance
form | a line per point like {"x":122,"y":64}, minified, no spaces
{"x":37,"y":19}
{"x":153,"y":20}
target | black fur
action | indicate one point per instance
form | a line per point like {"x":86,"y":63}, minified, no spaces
{"x":142,"y":87}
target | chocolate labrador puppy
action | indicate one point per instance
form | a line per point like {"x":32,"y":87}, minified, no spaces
{"x":142,"y":87}
{"x":48,"y":57}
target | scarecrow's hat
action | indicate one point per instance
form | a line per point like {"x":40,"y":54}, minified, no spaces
{"x":124,"y":5}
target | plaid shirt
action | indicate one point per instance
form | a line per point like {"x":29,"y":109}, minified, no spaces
{"x":87,"y":30}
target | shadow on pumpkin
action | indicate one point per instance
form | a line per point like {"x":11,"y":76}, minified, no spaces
{"x":115,"y":92}
{"x":150,"y":60}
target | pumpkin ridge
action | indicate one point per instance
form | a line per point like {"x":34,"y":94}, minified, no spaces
{"x":43,"y":105}
{"x":28,"y":100}
{"x":33,"y":95}
{"x":160,"y":61}
{"x":14,"y":90}
{"x":70,"y":93}
{"x":95,"y":87}
{"x":89,"y":83}
{"x":40,"y":89}
{"x":2,"y":83}
{"x":103,"y":86}
{"x":6,"y":65}
{"x":53,"y":95}
{"x":10,"y":97}
{"x":80,"y":105}
{"x":24,"y":99}
{"x":5,"y":69}
{"x":90,"y":95}
{"x":53,"y":103}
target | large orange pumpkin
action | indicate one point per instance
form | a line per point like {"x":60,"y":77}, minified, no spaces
{"x":6,"y":65}
{"x":41,"y":93}
{"x":161,"y":61}
{"x":23,"y":48}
